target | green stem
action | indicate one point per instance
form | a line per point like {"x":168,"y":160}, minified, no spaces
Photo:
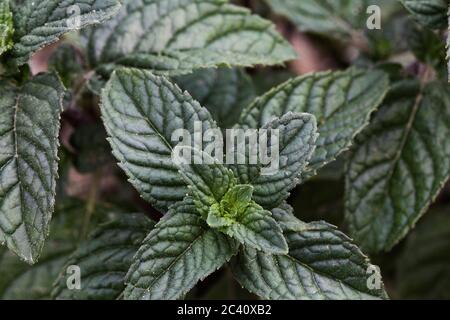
{"x":91,"y":203}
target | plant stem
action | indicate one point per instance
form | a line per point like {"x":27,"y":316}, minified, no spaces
{"x":91,"y":203}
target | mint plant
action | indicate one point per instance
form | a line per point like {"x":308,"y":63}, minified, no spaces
{"x":199,"y":142}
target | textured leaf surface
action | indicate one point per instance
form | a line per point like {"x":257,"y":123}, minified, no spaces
{"x":178,"y":253}
{"x":181,"y":35}
{"x":105,"y":258}
{"x":207,"y":183}
{"x":423,"y":271}
{"x":40,"y":23}
{"x":322,"y":263}
{"x":297,"y":134}
{"x":6,"y":27}
{"x":399,"y":164}
{"x":29,"y":129}
{"x":430,"y":13}
{"x":18,"y":280}
{"x":341,"y":102}
{"x":338,"y":18}
{"x":223,"y":91}
{"x":141,"y":112}
{"x":257,"y":229}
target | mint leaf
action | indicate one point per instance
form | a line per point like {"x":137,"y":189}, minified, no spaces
{"x":430,"y":13}
{"x":223,"y":91}
{"x":176,"y":37}
{"x":40,"y":23}
{"x":399,"y":164}
{"x":297,"y":138}
{"x":340,"y":19}
{"x":229,"y":207}
{"x":341,"y":102}
{"x":424,"y":259}
{"x":178,"y":253}
{"x":256,"y":228}
{"x":141,"y":112}
{"x":29,"y":129}
{"x":6,"y":27}
{"x":208,"y":182}
{"x":105,"y":258}
{"x":322,"y":263}
{"x":19,"y":280}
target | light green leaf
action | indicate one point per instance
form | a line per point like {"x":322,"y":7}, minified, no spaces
{"x":178,"y":36}
{"x":178,"y":253}
{"x":208,"y":182}
{"x":341,"y":102}
{"x":322,"y":263}
{"x":29,"y":129}
{"x":223,"y":91}
{"x":430,"y":13}
{"x":6,"y":27}
{"x":423,"y":271}
{"x":399,"y":164}
{"x":105,"y":258}
{"x":256,"y":228}
{"x":40,"y":23}
{"x":18,"y":280}
{"x":272,"y":181}
{"x":141,"y":112}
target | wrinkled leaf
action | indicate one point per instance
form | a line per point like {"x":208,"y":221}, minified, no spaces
{"x":6,"y":27}
{"x":322,"y":263}
{"x":180,"y":251}
{"x":341,"y":102}
{"x":29,"y":129}
{"x":224,"y":92}
{"x":430,"y":13}
{"x":297,"y":135}
{"x":18,"y":280}
{"x":399,"y":164}
{"x":40,"y":23}
{"x":176,"y":37}
{"x":104,"y":259}
{"x":141,"y":112}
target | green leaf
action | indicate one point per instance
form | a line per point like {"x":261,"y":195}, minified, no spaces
{"x":423,"y":271}
{"x":297,"y":134}
{"x":322,"y":263}
{"x":256,"y":228}
{"x":337,"y":18}
{"x":229,"y":207}
{"x":178,"y":253}
{"x":68,"y":62}
{"x":341,"y":102}
{"x":29,"y":129}
{"x":40,"y":23}
{"x":426,"y":45}
{"x":176,"y":37}
{"x":105,"y":258}
{"x":399,"y":164}
{"x":208,"y":182}
{"x":6,"y":27}
{"x":430,"y":13}
{"x":141,"y":112}
{"x":18,"y":280}
{"x":223,"y":91}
